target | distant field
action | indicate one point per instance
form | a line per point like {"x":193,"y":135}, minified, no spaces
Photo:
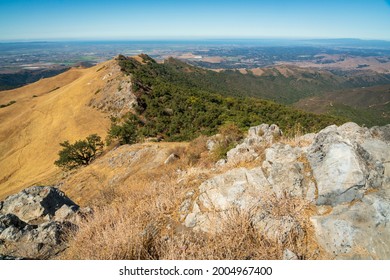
{"x":14,"y":80}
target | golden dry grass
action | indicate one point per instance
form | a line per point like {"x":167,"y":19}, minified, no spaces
{"x":124,"y":168}
{"x":135,"y":196}
{"x":32,"y":128}
{"x":142,"y":222}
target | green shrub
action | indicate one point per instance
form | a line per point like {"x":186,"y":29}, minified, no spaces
{"x":125,"y":133}
{"x":82,"y":152}
{"x":231,"y":134}
{"x":8,"y":104}
{"x":180,"y":102}
{"x":221,"y":149}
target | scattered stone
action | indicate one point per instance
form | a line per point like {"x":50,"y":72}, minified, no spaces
{"x":343,"y":174}
{"x":258,"y":137}
{"x":36,"y":204}
{"x":289,"y":255}
{"x":171,"y":158}
{"x":213,"y":141}
{"x":34,"y":222}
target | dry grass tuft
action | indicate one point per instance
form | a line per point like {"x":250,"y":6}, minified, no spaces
{"x":301,"y":239}
{"x":197,"y":153}
{"x":294,"y":138}
{"x":238,"y":239}
{"x":140,"y":219}
{"x":144,"y":223}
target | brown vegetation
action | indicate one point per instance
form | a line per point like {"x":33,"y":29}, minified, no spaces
{"x":140,"y":219}
{"x":144,"y":225}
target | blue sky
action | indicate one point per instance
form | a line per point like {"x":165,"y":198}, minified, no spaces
{"x":150,"y":19}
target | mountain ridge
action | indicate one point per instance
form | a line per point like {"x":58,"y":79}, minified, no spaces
{"x":80,"y":102}
{"x":268,"y":193}
{"x":45,"y":113}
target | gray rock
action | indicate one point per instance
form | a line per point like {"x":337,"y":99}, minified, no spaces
{"x":11,"y":233}
{"x":277,"y":228}
{"x":343,"y":173}
{"x":34,"y":222}
{"x":350,"y":165}
{"x":382,"y":133}
{"x":265,"y":131}
{"x":8,"y":220}
{"x":36,"y":204}
{"x":237,"y":189}
{"x":221,"y":162}
{"x":337,"y":168}
{"x":308,"y":138}
{"x":258,"y":137}
{"x":289,"y":255}
{"x":68,"y":213}
{"x":285,"y":171}
{"x":379,"y":151}
{"x":360,"y":231}
{"x":171,"y":158}
{"x":30,"y":241}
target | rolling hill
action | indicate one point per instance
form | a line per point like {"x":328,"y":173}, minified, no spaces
{"x":365,"y":105}
{"x":197,"y":191}
{"x":21,"y":78}
{"x":44,"y":114}
{"x":174,"y":100}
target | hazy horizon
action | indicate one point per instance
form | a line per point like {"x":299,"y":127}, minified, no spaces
{"x":23,"y":20}
{"x":194,"y":39}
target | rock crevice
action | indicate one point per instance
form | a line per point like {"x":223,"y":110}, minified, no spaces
{"x":343,"y":174}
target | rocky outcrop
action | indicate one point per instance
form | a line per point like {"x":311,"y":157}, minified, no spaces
{"x":258,"y":136}
{"x":36,"y":204}
{"x":33,"y":223}
{"x":342,"y":175}
{"x":350,"y":165}
{"x":237,"y":189}
{"x":116,"y":96}
{"x":171,"y":158}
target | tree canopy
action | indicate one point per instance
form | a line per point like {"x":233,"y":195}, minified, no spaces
{"x":82,"y":152}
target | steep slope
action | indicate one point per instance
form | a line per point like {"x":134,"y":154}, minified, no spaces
{"x":179,"y":101}
{"x":173,"y":100}
{"x":128,"y":167}
{"x":317,"y":196}
{"x":284,"y":84}
{"x":366,"y":105}
{"x":46,"y":113}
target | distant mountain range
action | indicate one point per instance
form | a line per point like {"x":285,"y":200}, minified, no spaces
{"x":24,"y":77}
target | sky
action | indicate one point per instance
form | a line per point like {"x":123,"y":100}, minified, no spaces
{"x":187,"y":19}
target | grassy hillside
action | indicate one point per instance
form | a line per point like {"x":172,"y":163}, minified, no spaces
{"x":367,"y":117}
{"x":46,"y":113}
{"x":365,"y":105}
{"x":273,"y":84}
{"x":179,"y":102}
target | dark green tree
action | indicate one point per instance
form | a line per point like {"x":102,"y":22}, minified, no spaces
{"x":125,"y":133}
{"x":82,"y":152}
